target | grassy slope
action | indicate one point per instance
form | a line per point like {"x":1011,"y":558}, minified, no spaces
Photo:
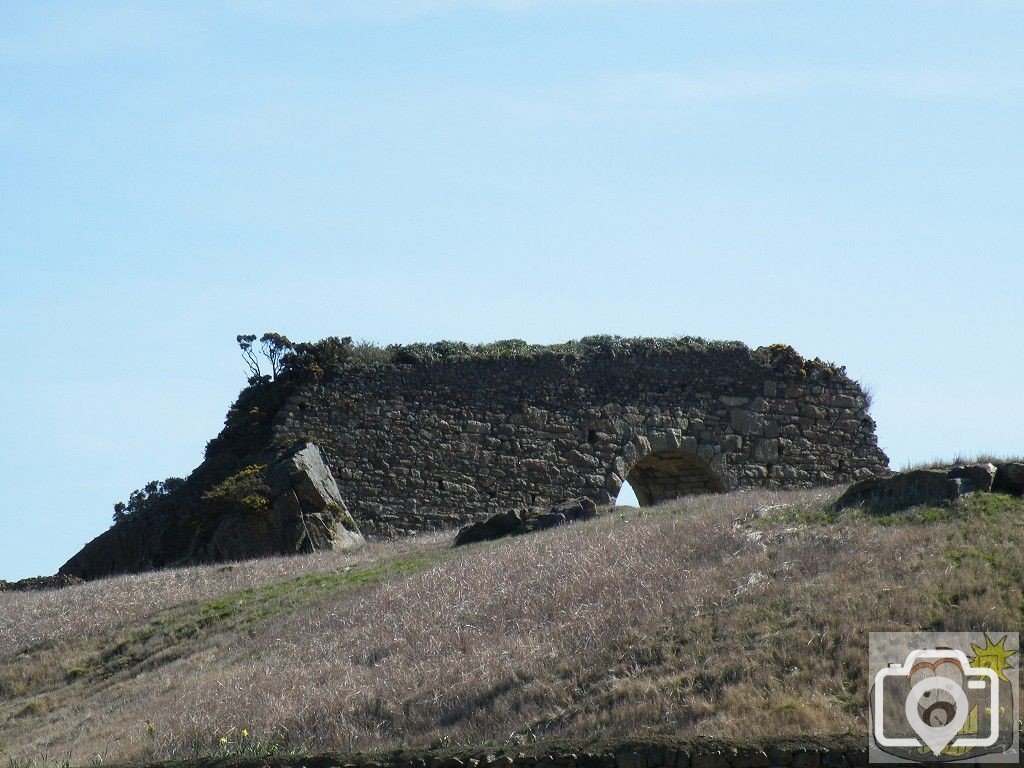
{"x":736,"y":615}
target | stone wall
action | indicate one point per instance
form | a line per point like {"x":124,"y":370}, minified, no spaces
{"x":824,"y":752}
{"x":432,"y":444}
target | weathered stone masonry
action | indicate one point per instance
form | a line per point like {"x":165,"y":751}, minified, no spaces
{"x":846,"y":751}
{"x":420,"y":446}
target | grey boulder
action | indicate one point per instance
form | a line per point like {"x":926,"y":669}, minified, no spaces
{"x":306,"y":513}
{"x":516,"y":523}
{"x":1010,"y":478}
{"x":915,"y":487}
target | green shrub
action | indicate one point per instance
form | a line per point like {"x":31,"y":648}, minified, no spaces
{"x":245,"y":491}
{"x":147,"y":498}
{"x":328,"y":351}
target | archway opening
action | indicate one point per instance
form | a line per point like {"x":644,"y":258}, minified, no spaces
{"x":627,"y":496}
{"x":665,"y":475}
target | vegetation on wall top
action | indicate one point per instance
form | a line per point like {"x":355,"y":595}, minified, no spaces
{"x":277,"y":356}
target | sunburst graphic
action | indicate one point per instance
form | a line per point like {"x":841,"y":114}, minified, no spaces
{"x":994,"y":656}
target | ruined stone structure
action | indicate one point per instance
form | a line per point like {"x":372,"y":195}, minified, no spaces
{"x":427,"y":437}
{"x":432,"y":444}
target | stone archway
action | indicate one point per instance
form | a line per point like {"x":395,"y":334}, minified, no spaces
{"x":665,"y":465}
{"x":664,"y":475}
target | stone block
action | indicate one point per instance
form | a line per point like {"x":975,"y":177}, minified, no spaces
{"x":666,"y":440}
{"x":975,"y":477}
{"x":751,"y":758}
{"x":746,"y":422}
{"x":733,"y":402}
{"x":812,"y":411}
{"x":630,"y":760}
{"x":766,"y":450}
{"x":710,"y":760}
{"x":780,"y":757}
{"x":1009,"y":478}
{"x":805,"y":758}
{"x":732,"y":443}
{"x":688,"y":444}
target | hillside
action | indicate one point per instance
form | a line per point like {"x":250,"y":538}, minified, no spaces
{"x":736,"y":615}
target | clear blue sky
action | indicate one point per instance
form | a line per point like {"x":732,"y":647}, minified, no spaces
{"x":843,"y":176}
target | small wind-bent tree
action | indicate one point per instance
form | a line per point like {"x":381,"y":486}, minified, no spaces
{"x":249,"y":354}
{"x":274,"y":347}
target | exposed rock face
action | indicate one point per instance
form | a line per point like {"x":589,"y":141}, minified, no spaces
{"x":304,"y":492}
{"x":919,"y":486}
{"x":516,"y":523}
{"x":305,"y":513}
{"x":296,"y":508}
{"x":1009,"y":478}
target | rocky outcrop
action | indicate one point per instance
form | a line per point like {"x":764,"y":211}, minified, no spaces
{"x":518,"y":522}
{"x":39,"y":583}
{"x":896,"y":492}
{"x":304,"y":513}
{"x":290,"y":506}
{"x":1009,"y":478}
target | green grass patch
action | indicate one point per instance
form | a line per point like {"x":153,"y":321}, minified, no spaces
{"x":974,"y":507}
{"x":170,"y":633}
{"x":957,"y":555}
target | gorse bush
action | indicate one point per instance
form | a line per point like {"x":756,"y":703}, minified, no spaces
{"x":284,"y":358}
{"x":587,"y":347}
{"x":245,"y":491}
{"x":280,"y":356}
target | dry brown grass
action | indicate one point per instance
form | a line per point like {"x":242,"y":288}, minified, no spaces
{"x":96,"y":608}
{"x":737,"y":615}
{"x":962,"y":459}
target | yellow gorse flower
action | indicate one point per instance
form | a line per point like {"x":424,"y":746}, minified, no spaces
{"x":245,"y":733}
